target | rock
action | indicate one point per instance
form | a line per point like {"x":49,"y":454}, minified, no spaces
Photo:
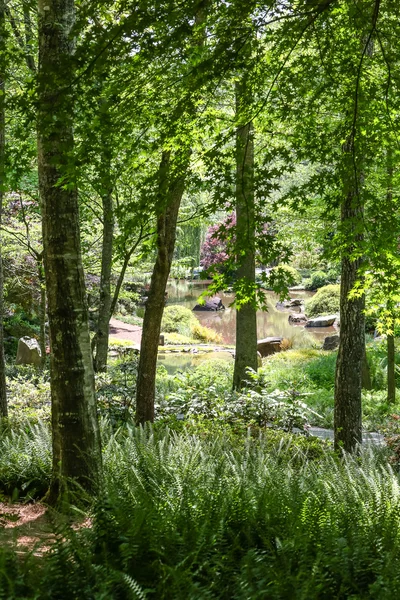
{"x":297,"y":318}
{"x":269,"y":346}
{"x":212,"y":304}
{"x":295,"y":302}
{"x":327,"y":321}
{"x":28,"y":352}
{"x":331,"y":342}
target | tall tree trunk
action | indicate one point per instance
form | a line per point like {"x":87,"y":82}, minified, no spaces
{"x":170,"y":192}
{"x":76,"y":440}
{"x":42,"y":313}
{"x":171,"y":185}
{"x":103,"y":323}
{"x":3,"y":391}
{"x":391,"y":361}
{"x":391,"y":372}
{"x":348,"y":381}
{"x":246,"y":316}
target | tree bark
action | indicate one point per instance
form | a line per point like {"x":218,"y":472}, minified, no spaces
{"x":391,"y":372}
{"x":348,"y":380}
{"x":76,"y":440}
{"x":3,"y":390}
{"x":103,"y":323}
{"x":170,"y":192}
{"x":42,"y":313}
{"x":246,"y":316}
{"x":171,"y":184}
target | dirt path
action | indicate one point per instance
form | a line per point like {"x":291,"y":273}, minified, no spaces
{"x":124,"y":331}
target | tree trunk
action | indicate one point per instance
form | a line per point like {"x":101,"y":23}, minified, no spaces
{"x":103,"y":323}
{"x":42,"y":313}
{"x":246,"y":316}
{"x":3,"y":391}
{"x":120,"y":281}
{"x":348,"y":381}
{"x":76,"y":440}
{"x":172,"y":175}
{"x":170,"y":191}
{"x":391,"y":382}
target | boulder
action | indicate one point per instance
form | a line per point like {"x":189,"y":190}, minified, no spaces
{"x":297,"y":318}
{"x":212,"y":304}
{"x":295,"y":302}
{"x":28,"y":352}
{"x":331,"y":342}
{"x":269,"y":346}
{"x":327,"y":321}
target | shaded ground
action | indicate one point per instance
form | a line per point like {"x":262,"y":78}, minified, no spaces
{"x":26,"y":526}
{"x":124,"y":331}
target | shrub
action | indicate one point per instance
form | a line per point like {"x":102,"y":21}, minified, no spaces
{"x":317,"y":280}
{"x":326,"y":301}
{"x":178,"y":319}
{"x":206,"y":334}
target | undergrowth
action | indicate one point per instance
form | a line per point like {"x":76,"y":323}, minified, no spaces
{"x":186,"y":517}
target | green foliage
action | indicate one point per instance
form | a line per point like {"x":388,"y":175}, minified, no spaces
{"x":326,"y":301}
{"x":277,"y":517}
{"x":289,"y":274}
{"x":181,"y":321}
{"x":317,"y":280}
{"x":178,"y":319}
{"x":25,"y":459}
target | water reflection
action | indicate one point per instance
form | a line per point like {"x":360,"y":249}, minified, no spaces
{"x":271,"y":323}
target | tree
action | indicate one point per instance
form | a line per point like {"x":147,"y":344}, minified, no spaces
{"x":246,"y":301}
{"x":76,"y":441}
{"x":171,"y":178}
{"x":3,"y":391}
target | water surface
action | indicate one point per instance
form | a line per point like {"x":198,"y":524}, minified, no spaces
{"x":269,"y":323}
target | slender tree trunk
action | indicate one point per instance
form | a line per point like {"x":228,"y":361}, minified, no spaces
{"x":120,"y":281}
{"x":76,"y":440}
{"x":348,"y":381}
{"x":172,"y":175}
{"x":166,"y":234}
{"x":42,"y":313}
{"x":246,"y":316}
{"x":103,"y":323}
{"x":391,"y":363}
{"x":3,"y":391}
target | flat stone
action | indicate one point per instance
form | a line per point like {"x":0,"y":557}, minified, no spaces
{"x":269,"y":345}
{"x":327,"y":321}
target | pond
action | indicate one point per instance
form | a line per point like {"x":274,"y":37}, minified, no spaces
{"x":269,"y":323}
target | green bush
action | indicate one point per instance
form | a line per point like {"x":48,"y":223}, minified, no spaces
{"x":181,"y":320}
{"x":178,"y":319}
{"x":326,"y":301}
{"x":317,"y":280}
